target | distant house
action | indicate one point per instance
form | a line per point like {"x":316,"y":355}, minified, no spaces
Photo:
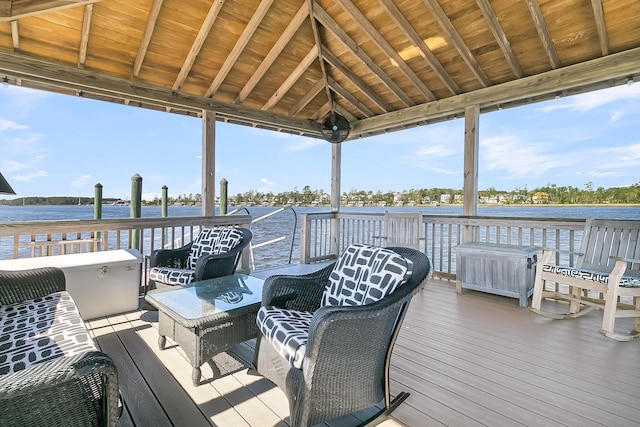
{"x":445,"y":198}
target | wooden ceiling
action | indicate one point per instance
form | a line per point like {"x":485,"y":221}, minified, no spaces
{"x":385,"y":65}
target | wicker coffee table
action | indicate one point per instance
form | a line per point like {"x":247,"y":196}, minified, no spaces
{"x":208,"y":317}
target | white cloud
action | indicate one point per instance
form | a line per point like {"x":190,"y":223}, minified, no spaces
{"x":517,"y":157}
{"x":301,"y":143}
{"x":267,"y":181}
{"x":11,"y":125}
{"x":81,"y":181}
{"x":30,"y":176}
{"x":436,"y":150}
{"x":589,"y":101}
{"x":14,"y":165}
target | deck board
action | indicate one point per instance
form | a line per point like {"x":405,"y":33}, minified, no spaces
{"x":470,"y":359}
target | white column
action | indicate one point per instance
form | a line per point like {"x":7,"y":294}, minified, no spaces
{"x":208,"y":162}
{"x":471,"y":147}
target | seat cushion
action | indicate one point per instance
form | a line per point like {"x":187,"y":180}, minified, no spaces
{"x":217,"y":240}
{"x":41,"y":330}
{"x":287,"y":331}
{"x":365,"y":274}
{"x":593,"y":276}
{"x":171,"y":276}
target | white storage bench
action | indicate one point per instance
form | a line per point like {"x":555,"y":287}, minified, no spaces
{"x":506,"y":270}
{"x":101,"y":283}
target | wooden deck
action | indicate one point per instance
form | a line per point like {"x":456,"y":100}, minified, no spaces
{"x":471,"y":359}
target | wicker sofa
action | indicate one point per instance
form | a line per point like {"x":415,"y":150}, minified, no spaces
{"x":51,"y":372}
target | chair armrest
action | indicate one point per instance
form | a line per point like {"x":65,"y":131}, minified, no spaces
{"x":210,"y":266}
{"x":78,"y":389}
{"x":625,"y":259}
{"x":176,"y":258}
{"x":296,"y":292}
{"x":560,"y":251}
{"x":18,"y":286}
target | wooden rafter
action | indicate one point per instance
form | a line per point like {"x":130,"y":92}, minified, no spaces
{"x":578,"y":75}
{"x":84,"y":38}
{"x":598,"y":14}
{"x":318,"y":40}
{"x":501,"y":37}
{"x":344,"y":112}
{"x":14,"y":9}
{"x":386,"y":47}
{"x":335,"y":62}
{"x":457,"y":42}
{"x":424,"y":51}
{"x":331,"y":25}
{"x":311,"y":56}
{"x":273,"y":54}
{"x":350,"y":98}
{"x":15,"y":36}
{"x":249,"y":29}
{"x":543,"y":33}
{"x":322,"y":111}
{"x":202,"y":35}
{"x":146,"y":36}
{"x":306,"y":99}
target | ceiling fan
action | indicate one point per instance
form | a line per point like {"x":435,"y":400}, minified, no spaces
{"x":335,"y":128}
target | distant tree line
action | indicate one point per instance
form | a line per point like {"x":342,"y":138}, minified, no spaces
{"x":548,"y":194}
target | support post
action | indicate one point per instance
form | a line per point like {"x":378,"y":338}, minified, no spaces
{"x":97,"y":214}
{"x":224,"y":184}
{"x":208,"y":162}
{"x":164,"y":212}
{"x":471,"y":148}
{"x":136,"y":209}
{"x":336,"y":172}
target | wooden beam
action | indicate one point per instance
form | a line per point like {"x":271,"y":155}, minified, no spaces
{"x":350,"y":98}
{"x":208,"y":163}
{"x":311,"y":56}
{"x":249,"y":29}
{"x":331,"y":25}
{"x":202,"y":35}
{"x":457,"y":42}
{"x":61,"y":76}
{"x":424,"y":51}
{"x":471,"y":155}
{"x":146,"y":36}
{"x":306,"y":99}
{"x":15,"y":36}
{"x":543,"y":33}
{"x":318,"y":40}
{"x":14,"y":9}
{"x":273,"y":54}
{"x":84,"y":38}
{"x":344,"y":112}
{"x":616,"y":65}
{"x":386,"y":47}
{"x":500,"y":36}
{"x":598,"y":14}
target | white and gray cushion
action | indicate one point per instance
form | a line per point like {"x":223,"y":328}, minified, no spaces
{"x":171,"y":276}
{"x":40,"y":330}
{"x":287,"y":331}
{"x":594,"y":276}
{"x":365,"y":274}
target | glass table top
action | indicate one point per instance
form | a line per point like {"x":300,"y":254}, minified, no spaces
{"x":211,"y":297}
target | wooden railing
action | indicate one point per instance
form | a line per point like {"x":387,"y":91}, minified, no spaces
{"x":321,"y":240}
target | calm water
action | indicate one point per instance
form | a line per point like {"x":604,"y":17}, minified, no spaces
{"x":282,"y":223}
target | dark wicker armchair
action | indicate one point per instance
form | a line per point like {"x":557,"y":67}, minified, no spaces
{"x":340,"y":364}
{"x":215,"y":252}
{"x":64,"y":386}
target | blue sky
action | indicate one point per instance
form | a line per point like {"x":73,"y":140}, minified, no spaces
{"x":58,"y":145}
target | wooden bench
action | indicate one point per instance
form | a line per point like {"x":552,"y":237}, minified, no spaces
{"x":606,"y":276}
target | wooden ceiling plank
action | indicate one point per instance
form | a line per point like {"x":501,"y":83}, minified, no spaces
{"x":386,"y":47}
{"x":202,"y":35}
{"x":335,"y":62}
{"x":501,"y":37}
{"x":578,"y":75}
{"x":306,"y":99}
{"x":146,"y":36}
{"x":543,"y":33}
{"x":14,"y":9}
{"x":402,"y":22}
{"x":344,"y":113}
{"x":15,"y":36}
{"x":84,"y":38}
{"x":322,"y":111}
{"x":350,"y":98}
{"x":598,"y":14}
{"x":273,"y":54}
{"x":250,"y":28}
{"x":328,"y":22}
{"x":311,"y":56}
{"x":318,"y":40}
{"x":62,"y":76}
{"x":457,"y":42}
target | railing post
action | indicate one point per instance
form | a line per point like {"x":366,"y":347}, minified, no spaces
{"x":165,"y":212}
{"x":305,"y":239}
{"x":97,"y":213}
{"x":136,"y":209}
{"x":224,"y":184}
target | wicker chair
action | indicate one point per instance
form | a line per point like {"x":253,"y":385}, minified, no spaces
{"x":67,"y":386}
{"x":215,"y":252}
{"x":334,"y":357}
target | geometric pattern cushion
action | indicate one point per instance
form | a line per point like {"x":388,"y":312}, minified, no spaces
{"x":39,"y":330}
{"x":216,"y":240}
{"x":593,"y":276}
{"x":287,"y":331}
{"x":171,"y":276}
{"x":365,"y":274}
